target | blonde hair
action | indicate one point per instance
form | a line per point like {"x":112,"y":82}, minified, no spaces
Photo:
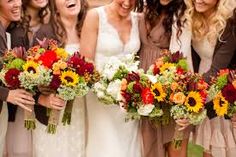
{"x":212,"y":27}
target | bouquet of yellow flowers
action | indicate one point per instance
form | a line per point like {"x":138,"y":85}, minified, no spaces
{"x":68,"y":76}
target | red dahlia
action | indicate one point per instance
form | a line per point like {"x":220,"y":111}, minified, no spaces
{"x":11,"y":78}
{"x":229,"y":92}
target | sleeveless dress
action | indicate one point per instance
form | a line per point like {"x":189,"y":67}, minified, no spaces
{"x":216,"y":135}
{"x":108,"y":133}
{"x":4,"y":113}
{"x":69,"y":140}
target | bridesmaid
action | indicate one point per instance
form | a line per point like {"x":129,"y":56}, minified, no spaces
{"x":213,"y":45}
{"x":34,"y":13}
{"x":155,"y":32}
{"x":9,"y":12}
{"x":110,"y":30}
{"x":69,"y":141}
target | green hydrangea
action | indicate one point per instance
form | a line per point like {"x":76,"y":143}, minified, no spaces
{"x":16,"y":63}
{"x":183,"y":64}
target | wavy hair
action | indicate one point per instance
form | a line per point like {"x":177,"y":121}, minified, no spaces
{"x":153,"y":9}
{"x":57,"y":24}
{"x":26,"y":18}
{"x":212,"y":27}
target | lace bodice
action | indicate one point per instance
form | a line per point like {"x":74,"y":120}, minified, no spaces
{"x":109,"y":42}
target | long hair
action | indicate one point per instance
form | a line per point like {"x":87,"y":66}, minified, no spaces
{"x":26,"y":18}
{"x":174,"y":11}
{"x":57,"y":24}
{"x":212,"y":27}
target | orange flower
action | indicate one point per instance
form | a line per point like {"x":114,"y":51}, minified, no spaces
{"x":179,"y":98}
{"x":224,"y":72}
{"x":123,"y":84}
{"x":174,"y":86}
{"x":202,"y":85}
{"x":159,"y":62}
{"x":171,"y":97}
{"x":234,"y":84}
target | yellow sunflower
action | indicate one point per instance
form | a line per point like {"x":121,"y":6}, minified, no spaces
{"x":166,"y":66}
{"x":158,"y":92}
{"x":194,"y":102}
{"x":31,"y":67}
{"x":61,"y":53}
{"x":220,"y":105}
{"x":69,"y":78}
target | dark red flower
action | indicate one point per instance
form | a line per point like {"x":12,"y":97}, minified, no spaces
{"x":48,"y":58}
{"x":132,"y":77}
{"x":229,"y":92}
{"x":147,"y":96}
{"x":11,"y":78}
{"x":175,"y":57}
{"x":156,"y":70}
{"x":56,"y":82}
{"x":127,"y":96}
{"x":137,"y":87}
{"x":76,"y":61}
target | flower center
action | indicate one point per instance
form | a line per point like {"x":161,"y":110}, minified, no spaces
{"x":31,"y":69}
{"x":157,"y":93}
{"x":69,"y":79}
{"x":191,"y":101}
{"x":221,"y":103}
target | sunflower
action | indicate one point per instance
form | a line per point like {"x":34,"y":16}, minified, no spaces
{"x":31,"y":67}
{"x":220,"y":105}
{"x":158,"y":92}
{"x":69,"y":78}
{"x":194,"y":102}
{"x":166,"y":66}
{"x":61,"y":53}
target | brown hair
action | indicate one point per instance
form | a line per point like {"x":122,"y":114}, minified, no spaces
{"x":56,"y":22}
{"x":26,"y":18}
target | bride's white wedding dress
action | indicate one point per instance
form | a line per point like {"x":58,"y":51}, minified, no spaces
{"x":69,"y":140}
{"x":108,"y":133}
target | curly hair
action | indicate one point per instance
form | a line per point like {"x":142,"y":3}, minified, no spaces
{"x":57,"y":24}
{"x":26,"y":18}
{"x":153,"y":8}
{"x":212,"y":27}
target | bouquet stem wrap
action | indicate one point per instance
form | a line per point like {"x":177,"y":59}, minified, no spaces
{"x":29,"y":118}
{"x":53,"y":121}
{"x":178,"y":137}
{"x":66,"y":120}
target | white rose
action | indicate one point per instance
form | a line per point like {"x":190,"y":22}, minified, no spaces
{"x":114,"y":89}
{"x":145,"y":110}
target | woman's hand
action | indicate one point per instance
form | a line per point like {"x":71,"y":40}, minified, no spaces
{"x":183,"y":123}
{"x":45,"y":90}
{"x":21,"y":98}
{"x":52,"y":101}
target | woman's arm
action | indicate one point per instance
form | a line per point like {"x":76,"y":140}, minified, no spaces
{"x":89,"y":34}
{"x":224,"y":52}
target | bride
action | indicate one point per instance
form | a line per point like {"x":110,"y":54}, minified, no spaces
{"x":108,"y":31}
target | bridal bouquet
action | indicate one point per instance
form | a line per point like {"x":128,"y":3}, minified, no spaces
{"x":185,"y":92}
{"x":164,"y":73}
{"x":69,"y":76}
{"x":112,"y":73}
{"x":139,"y":97}
{"x":223,"y":93}
{"x":19,"y":72}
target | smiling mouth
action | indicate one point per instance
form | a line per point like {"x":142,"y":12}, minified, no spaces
{"x":71,"y":5}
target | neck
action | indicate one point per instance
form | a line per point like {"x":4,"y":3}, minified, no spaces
{"x":35,"y":19}
{"x":69,"y":23}
{"x":5,"y":23}
{"x":208,"y":13}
